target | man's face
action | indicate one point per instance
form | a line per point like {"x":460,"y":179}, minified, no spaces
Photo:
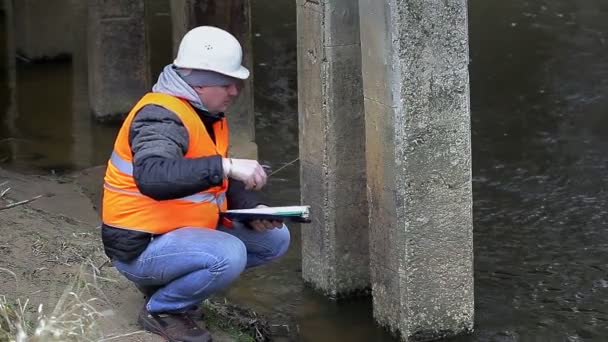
{"x":218,"y":98}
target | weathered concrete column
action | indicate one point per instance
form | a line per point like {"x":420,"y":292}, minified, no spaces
{"x":43,"y":28}
{"x":8,"y":6}
{"x":12,"y":112}
{"x":233,"y":16}
{"x":118,"y":57}
{"x":83,"y":148}
{"x":335,"y":253}
{"x":416,"y":85}
{"x":160,"y":35}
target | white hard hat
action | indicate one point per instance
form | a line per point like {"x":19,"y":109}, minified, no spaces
{"x":211,"y":48}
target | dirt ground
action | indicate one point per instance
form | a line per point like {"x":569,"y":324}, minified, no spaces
{"x":47,"y":241}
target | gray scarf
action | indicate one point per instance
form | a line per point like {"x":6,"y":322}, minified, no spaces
{"x":169,"y":82}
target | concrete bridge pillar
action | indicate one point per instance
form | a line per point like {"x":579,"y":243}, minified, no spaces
{"x":335,"y":253}
{"x":11,"y":112}
{"x":416,"y":86}
{"x":43,"y":28}
{"x":83,"y":148}
{"x":118,"y":60}
{"x":233,"y":16}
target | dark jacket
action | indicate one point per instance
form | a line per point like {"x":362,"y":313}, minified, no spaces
{"x":159,"y":140}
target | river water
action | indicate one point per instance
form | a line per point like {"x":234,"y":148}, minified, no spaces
{"x":539,"y":76}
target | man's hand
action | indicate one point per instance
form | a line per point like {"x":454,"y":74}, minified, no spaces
{"x":248,"y":171}
{"x":264,"y":225}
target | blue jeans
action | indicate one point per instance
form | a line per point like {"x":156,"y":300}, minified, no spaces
{"x":187,"y":265}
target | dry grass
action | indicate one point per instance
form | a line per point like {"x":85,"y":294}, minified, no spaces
{"x":76,"y":314}
{"x":73,"y":318}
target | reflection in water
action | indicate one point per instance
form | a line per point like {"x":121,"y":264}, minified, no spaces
{"x":46,"y":121}
{"x":50,"y":129}
{"x":539,"y":79}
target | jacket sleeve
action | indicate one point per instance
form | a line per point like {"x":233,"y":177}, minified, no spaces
{"x":159,"y":142}
{"x":240,"y":198}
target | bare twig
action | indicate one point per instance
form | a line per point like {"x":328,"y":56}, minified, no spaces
{"x":20,"y":203}
{"x":2,"y":269}
{"x":110,"y":338}
{"x":4,"y":192}
{"x":102,"y":265}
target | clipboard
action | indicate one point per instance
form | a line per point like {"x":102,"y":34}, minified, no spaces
{"x":299,"y":214}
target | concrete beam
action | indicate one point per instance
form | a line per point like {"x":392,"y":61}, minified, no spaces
{"x":43,"y":28}
{"x":118,"y":60}
{"x":335,"y":253}
{"x":416,"y":85}
{"x":233,"y":16}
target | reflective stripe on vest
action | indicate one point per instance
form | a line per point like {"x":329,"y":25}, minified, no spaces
{"x":197,"y":198}
{"x":126,"y":167}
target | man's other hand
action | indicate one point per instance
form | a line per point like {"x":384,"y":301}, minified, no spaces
{"x":264,"y":225}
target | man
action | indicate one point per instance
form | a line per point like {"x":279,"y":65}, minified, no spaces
{"x":168,"y":179}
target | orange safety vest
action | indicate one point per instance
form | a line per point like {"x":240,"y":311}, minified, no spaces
{"x":124,"y":206}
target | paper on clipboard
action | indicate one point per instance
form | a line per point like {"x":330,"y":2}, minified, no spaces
{"x":289,"y":213}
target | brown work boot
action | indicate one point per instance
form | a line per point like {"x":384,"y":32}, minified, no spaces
{"x":175,"y":327}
